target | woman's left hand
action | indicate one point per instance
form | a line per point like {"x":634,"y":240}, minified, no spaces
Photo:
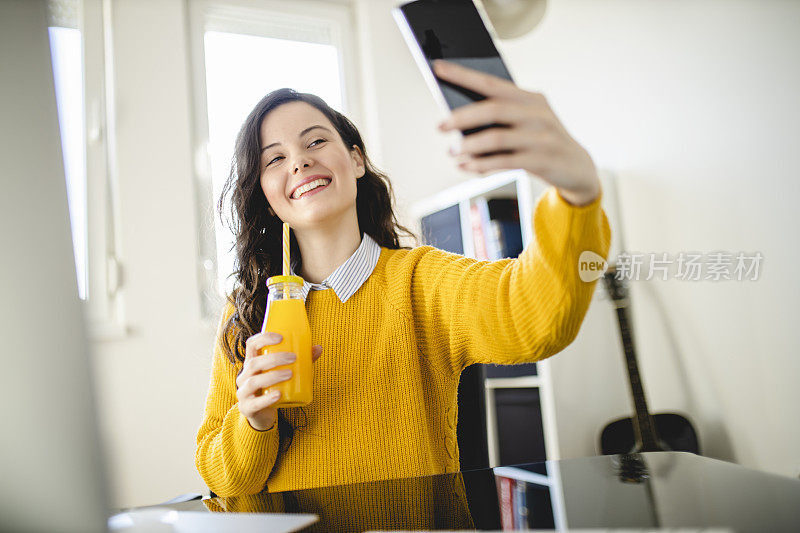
{"x":535,"y":138}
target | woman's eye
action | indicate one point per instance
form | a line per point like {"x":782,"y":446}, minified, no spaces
{"x":310,"y":145}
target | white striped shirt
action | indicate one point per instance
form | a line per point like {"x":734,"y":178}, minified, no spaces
{"x":351,"y":274}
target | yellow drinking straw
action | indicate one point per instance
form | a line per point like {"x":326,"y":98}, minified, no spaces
{"x":286,"y":268}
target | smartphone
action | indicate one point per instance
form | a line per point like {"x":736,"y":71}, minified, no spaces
{"x":456,"y":31}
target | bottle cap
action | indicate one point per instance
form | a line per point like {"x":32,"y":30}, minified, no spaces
{"x":284,"y":279}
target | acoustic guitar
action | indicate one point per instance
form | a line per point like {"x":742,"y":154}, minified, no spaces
{"x":643,"y":432}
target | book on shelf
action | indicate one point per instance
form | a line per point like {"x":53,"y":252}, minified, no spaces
{"x":512,"y":495}
{"x":505,"y":495}
{"x":496,"y":230}
{"x":520,"y":505}
{"x":479,"y":237}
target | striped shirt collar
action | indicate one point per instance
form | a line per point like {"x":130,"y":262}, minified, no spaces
{"x":351,"y":274}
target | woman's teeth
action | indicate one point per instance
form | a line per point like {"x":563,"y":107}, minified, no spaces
{"x":308,"y":186}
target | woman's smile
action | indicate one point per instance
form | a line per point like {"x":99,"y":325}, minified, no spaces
{"x":311,"y":188}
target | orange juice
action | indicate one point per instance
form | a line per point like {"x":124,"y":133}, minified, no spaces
{"x":286,"y":315}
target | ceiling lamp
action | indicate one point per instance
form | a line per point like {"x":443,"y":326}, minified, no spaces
{"x":514,"y":18}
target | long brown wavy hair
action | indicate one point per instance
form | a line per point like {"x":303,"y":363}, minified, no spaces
{"x":257,"y":229}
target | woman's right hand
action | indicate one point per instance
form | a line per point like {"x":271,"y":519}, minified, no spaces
{"x":258,"y":372}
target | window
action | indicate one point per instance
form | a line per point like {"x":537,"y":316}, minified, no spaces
{"x":65,"y":45}
{"x":65,"y":48}
{"x":79,"y":32}
{"x":230,"y":40}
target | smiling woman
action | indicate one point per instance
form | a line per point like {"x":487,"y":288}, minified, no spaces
{"x":398,"y":324}
{"x":288,"y":142}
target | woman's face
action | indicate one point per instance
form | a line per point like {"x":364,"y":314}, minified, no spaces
{"x":299,"y":142}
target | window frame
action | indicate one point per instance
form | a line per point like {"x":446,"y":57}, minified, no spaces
{"x":106,"y":312}
{"x":104,"y":303}
{"x":317,"y":21}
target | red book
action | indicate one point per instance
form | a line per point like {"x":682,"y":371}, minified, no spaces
{"x":505,"y":496}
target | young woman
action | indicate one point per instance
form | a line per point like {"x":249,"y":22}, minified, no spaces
{"x":398,"y":325}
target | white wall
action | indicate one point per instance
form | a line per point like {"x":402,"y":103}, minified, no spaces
{"x":691,"y":103}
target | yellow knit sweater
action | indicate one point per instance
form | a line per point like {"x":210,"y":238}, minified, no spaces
{"x":385,"y":387}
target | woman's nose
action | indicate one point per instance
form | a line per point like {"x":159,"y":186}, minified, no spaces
{"x":301,"y":162}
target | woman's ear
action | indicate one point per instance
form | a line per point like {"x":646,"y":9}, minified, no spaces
{"x":358,"y":158}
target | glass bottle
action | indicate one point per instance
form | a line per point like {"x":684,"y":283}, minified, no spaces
{"x":286,"y":315}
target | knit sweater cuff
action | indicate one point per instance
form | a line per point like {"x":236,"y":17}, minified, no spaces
{"x":594,"y":203}
{"x":253,"y":440}
{"x":571,"y":229}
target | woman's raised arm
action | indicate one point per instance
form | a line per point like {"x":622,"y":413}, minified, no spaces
{"x":528,"y":308}
{"x":508,"y":311}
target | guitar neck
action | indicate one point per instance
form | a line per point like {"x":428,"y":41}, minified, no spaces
{"x":643,"y":426}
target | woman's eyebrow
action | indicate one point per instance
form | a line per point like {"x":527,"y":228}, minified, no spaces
{"x":299,"y":135}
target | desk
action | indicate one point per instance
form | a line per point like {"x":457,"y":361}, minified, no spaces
{"x":648,"y":490}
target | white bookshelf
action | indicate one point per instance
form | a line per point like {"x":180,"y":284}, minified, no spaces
{"x":526,"y":189}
